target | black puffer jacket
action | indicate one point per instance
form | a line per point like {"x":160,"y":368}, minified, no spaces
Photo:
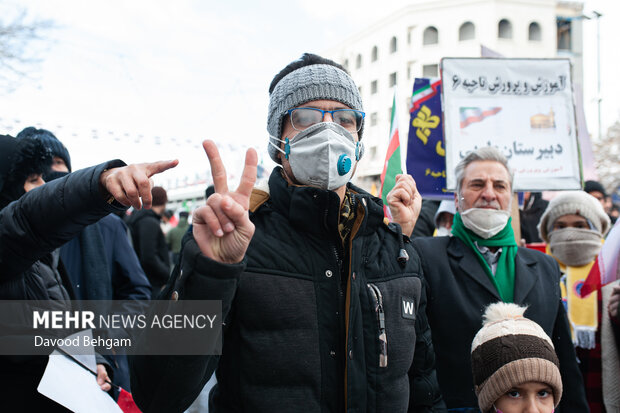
{"x":302,"y":316}
{"x":30,"y":229}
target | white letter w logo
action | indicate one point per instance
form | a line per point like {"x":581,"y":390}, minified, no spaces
{"x":408,"y":308}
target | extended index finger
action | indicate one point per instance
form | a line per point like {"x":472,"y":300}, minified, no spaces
{"x":154,"y":168}
{"x":218,"y":172}
{"x":248,"y":178}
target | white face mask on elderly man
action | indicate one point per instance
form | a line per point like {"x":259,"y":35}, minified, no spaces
{"x":485,"y":222}
{"x":322,"y":155}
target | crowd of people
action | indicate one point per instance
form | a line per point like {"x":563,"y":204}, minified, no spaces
{"x":326,"y":305}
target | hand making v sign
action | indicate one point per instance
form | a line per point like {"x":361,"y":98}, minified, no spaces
{"x":222,"y":228}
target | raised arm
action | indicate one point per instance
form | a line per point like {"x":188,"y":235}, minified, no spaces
{"x":209,"y":269}
{"x":46,"y":217}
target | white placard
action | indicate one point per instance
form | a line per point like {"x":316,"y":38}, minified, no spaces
{"x":524,"y":107}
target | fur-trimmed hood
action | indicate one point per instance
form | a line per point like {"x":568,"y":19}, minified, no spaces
{"x":20,"y":158}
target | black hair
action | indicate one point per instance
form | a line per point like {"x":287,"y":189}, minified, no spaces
{"x":306,"y":59}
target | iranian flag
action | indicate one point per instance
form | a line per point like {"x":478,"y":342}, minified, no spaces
{"x":605,"y":268}
{"x":392,"y":166}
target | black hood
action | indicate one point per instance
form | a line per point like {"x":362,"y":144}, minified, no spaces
{"x":20,"y":158}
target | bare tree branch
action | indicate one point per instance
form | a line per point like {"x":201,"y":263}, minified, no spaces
{"x":17,"y":56}
{"x":606,"y":154}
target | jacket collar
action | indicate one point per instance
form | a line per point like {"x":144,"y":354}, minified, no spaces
{"x":525,"y":273}
{"x":316,"y":210}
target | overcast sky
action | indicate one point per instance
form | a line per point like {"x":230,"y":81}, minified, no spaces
{"x":133,"y":73}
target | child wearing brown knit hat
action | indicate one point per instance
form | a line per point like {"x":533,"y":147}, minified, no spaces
{"x":514,"y":364}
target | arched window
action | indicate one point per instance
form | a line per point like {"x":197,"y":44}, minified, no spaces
{"x":534,"y":32}
{"x":358,"y":61}
{"x":504,"y":29}
{"x":430,"y":36}
{"x":374,"y":55}
{"x":393,"y":45}
{"x":467,"y":31}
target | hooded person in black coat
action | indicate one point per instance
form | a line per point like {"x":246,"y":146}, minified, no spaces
{"x":100,"y":262}
{"x":35,"y":220}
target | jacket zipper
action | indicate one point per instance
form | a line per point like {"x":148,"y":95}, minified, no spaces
{"x":378,"y":297}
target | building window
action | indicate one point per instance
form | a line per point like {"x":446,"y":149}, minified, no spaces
{"x":504,"y":29}
{"x":374,"y":55}
{"x":564,"y":33}
{"x":393,"y":45}
{"x":534,"y":32}
{"x":467,"y":31}
{"x":358,"y":61}
{"x":373,"y":118}
{"x":409,"y":30}
{"x":346,"y":64}
{"x":373,"y":87}
{"x":430,"y":70}
{"x":373,"y":152}
{"x":392,"y":79}
{"x":431,"y":36}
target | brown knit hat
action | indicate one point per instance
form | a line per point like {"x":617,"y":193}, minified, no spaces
{"x":159,"y":196}
{"x":510,"y":350}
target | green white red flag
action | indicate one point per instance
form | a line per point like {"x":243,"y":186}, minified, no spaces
{"x":605,"y":268}
{"x":392,"y":165}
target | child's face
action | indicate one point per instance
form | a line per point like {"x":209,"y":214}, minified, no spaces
{"x":531,"y":397}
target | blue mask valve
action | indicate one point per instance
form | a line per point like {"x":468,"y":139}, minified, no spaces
{"x":344,"y":165}
{"x":287,"y":148}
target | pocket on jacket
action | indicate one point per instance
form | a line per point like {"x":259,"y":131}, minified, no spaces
{"x":393,"y":307}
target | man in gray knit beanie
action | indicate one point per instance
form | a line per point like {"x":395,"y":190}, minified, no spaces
{"x":323,"y":304}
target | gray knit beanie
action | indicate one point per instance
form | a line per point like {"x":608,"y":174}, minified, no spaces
{"x":510,"y":350}
{"x":577,"y":203}
{"x":308,"y":83}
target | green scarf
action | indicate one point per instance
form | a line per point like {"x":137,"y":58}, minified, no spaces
{"x":504,"y":279}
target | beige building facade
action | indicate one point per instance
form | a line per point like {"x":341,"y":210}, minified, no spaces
{"x":389,"y":54}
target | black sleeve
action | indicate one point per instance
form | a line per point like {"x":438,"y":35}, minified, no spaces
{"x":425,"y":225}
{"x":46,"y":217}
{"x":573,"y":395}
{"x":172,"y":383}
{"x":425,"y":394}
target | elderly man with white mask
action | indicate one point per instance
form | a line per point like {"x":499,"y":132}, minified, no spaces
{"x":482,"y":264}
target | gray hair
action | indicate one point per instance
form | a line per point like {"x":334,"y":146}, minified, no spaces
{"x":486,"y":153}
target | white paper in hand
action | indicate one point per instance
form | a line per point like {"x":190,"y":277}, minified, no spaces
{"x":69,"y":384}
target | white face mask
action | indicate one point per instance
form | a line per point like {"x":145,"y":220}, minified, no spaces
{"x":485,"y":222}
{"x":443,"y":231}
{"x":322,"y":155}
{"x":575,"y":246}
